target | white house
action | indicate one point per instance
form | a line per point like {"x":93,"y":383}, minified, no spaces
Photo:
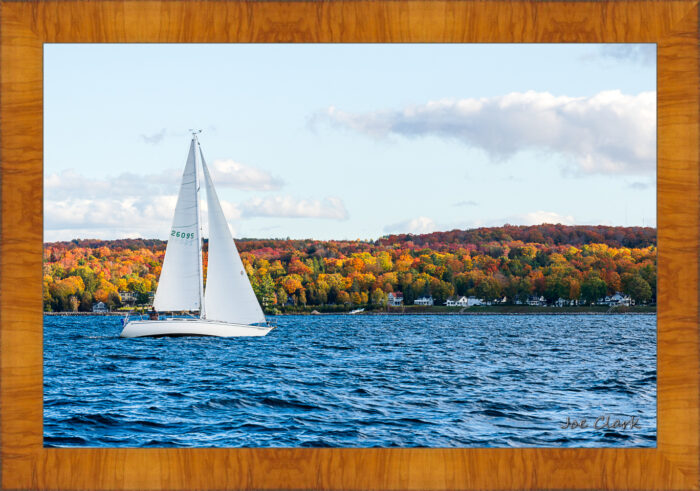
{"x":622,"y":299}
{"x":395,"y":299}
{"x":456,"y":302}
{"x":617,"y":299}
{"x":128,"y":297}
{"x":561,"y":302}
{"x":474,"y":301}
{"x":463,"y":301}
{"x":495,"y":301}
{"x":424,"y":301}
{"x":536,"y":301}
{"x":100,"y":307}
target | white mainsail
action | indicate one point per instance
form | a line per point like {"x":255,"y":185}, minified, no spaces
{"x":180,"y":283}
{"x":229,"y":296}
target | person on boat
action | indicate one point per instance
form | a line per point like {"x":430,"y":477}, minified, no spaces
{"x":153,"y":315}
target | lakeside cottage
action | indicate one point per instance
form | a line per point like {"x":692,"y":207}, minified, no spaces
{"x":495,"y":301}
{"x":424,"y":301}
{"x":456,"y":302}
{"x":395,"y":299}
{"x":131,"y":298}
{"x":536,"y":301}
{"x":618,"y":298}
{"x":100,"y":307}
{"x":565,"y":302}
{"x":127,"y":298}
{"x":463,"y":301}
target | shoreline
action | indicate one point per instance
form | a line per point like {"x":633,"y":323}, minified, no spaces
{"x":122,"y":314}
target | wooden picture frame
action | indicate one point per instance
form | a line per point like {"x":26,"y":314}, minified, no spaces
{"x":26,"y":25}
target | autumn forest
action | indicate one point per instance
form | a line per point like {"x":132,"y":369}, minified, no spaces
{"x":582,"y":263}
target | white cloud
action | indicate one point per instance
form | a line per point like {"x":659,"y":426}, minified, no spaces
{"x":117,"y":217}
{"x":124,"y":206}
{"x":131,"y":205}
{"x":67,"y":234}
{"x":290,"y":207}
{"x":69,"y":184}
{"x":425,"y":225}
{"x":237,"y":175}
{"x":532,"y":218}
{"x":639,"y":186}
{"x":419,"y":225}
{"x":539,"y":217}
{"x":108,"y":217}
{"x":466,"y":203}
{"x":154,"y":138}
{"x":610,"y":132}
{"x":225,"y":173}
{"x":231,"y":210}
{"x":128,"y":205}
{"x":637,"y":53}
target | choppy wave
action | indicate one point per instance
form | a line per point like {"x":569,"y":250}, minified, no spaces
{"x":360,"y":381}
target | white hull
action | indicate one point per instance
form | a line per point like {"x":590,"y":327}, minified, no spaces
{"x":191,"y":327}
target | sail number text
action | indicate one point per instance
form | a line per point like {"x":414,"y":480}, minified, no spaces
{"x":182,"y":235}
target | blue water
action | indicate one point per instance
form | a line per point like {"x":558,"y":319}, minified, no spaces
{"x":355,"y":381}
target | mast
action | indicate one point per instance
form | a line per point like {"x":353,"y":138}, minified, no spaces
{"x":200,"y":239}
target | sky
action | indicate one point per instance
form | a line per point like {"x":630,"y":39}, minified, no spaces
{"x":353,"y":141}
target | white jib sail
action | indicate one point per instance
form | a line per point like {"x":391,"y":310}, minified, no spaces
{"x":179,"y":286}
{"x":229,"y":295}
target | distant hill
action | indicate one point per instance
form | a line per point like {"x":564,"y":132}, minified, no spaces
{"x":545,"y":234}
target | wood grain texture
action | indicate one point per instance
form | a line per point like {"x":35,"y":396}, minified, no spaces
{"x":25,"y":26}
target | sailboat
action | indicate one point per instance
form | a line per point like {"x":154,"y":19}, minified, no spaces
{"x":228,"y":307}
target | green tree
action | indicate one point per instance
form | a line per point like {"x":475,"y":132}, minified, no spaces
{"x":555,"y":288}
{"x":114,"y":301}
{"x":378,"y":297}
{"x":510,"y":288}
{"x":281,"y":296}
{"x":648,"y":272}
{"x":264,"y":289}
{"x":637,"y":288}
{"x":542,"y":258}
{"x":47,"y":298}
{"x":441,"y":291}
{"x":85,"y":302}
{"x":90,"y":279}
{"x":489,"y":289}
{"x":524,"y":289}
{"x":593,"y":288}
